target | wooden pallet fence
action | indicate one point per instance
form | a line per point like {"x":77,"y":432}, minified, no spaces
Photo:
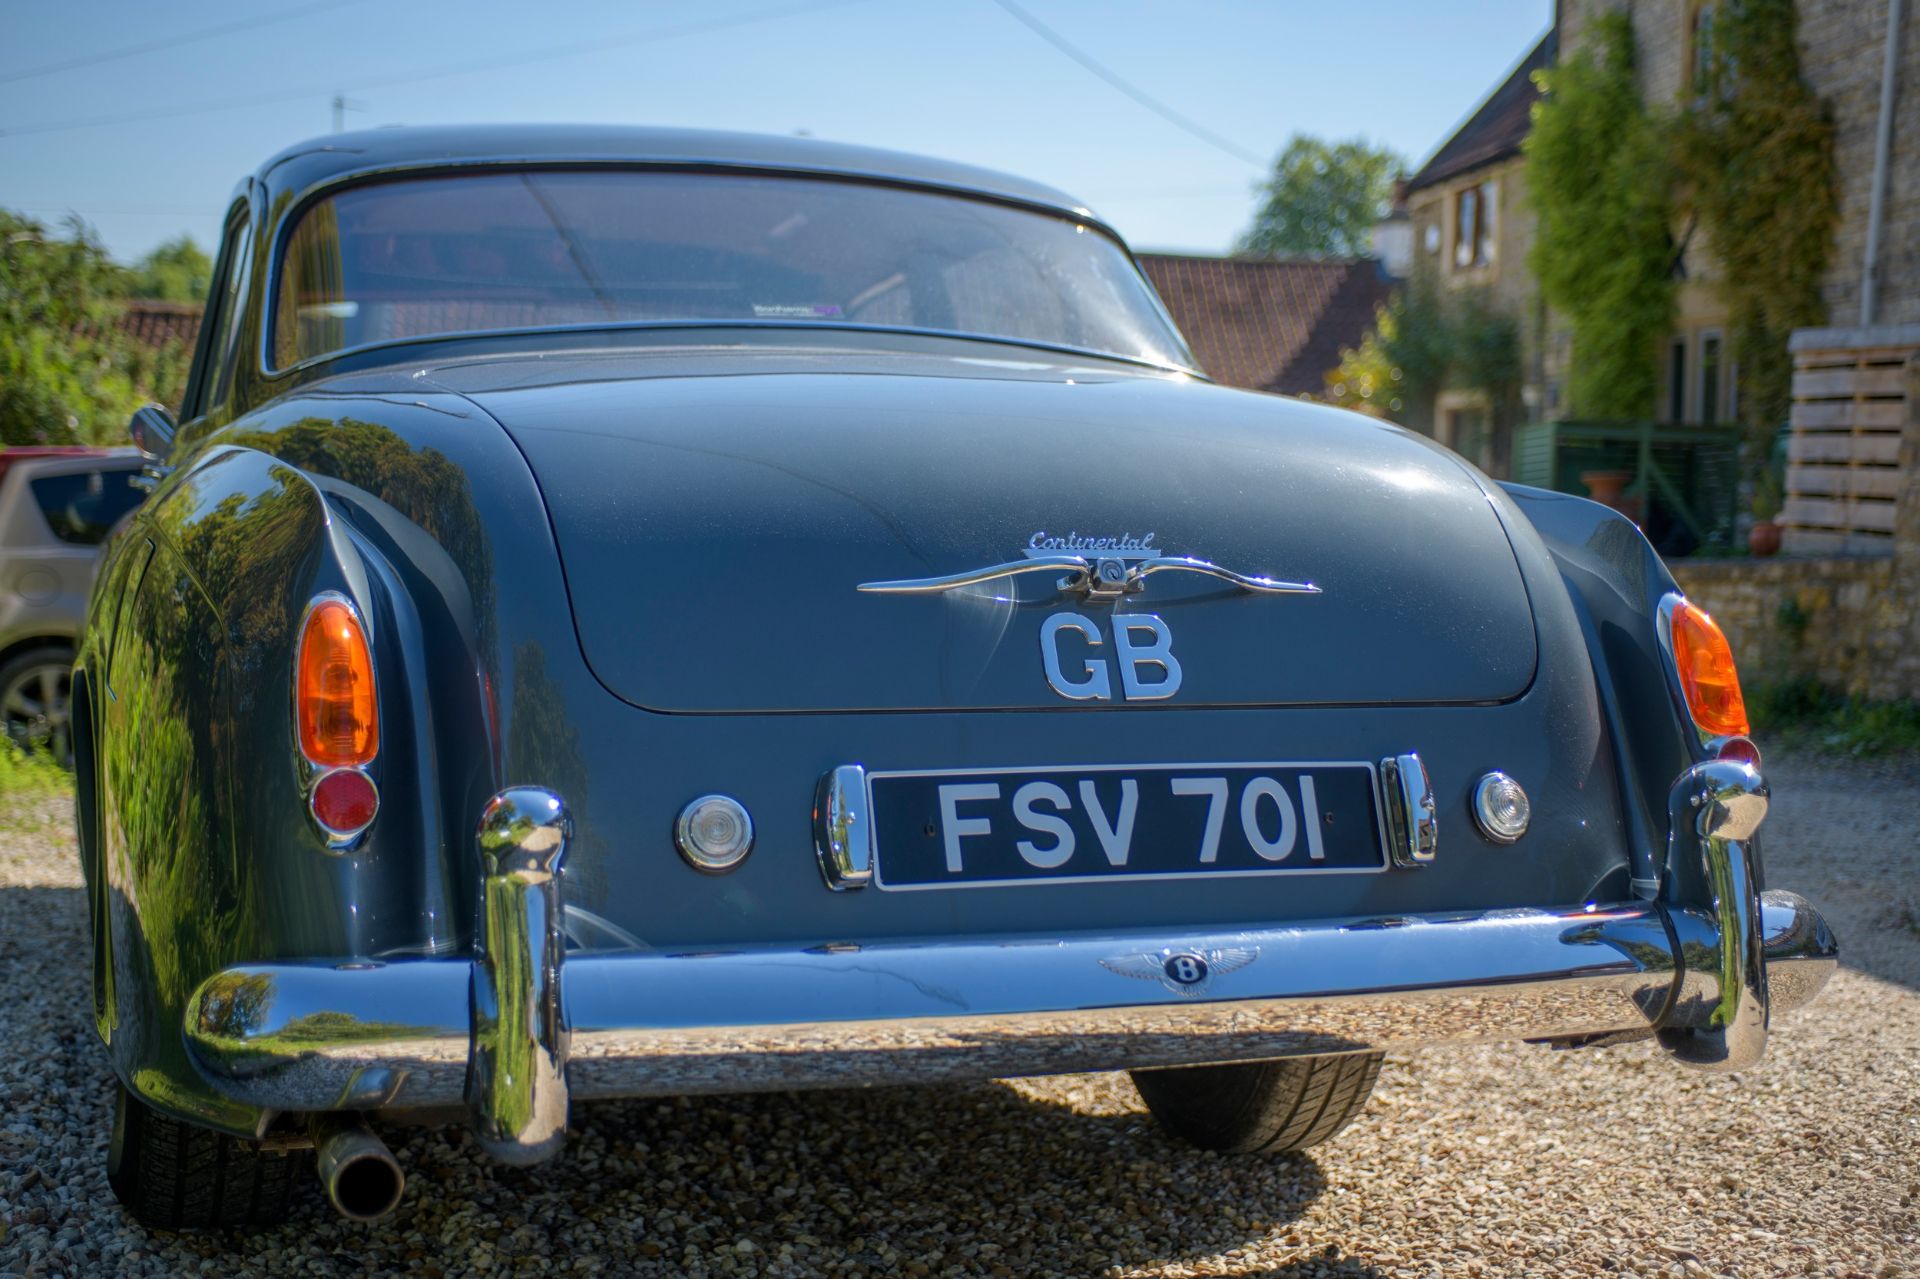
{"x":1844,"y":478}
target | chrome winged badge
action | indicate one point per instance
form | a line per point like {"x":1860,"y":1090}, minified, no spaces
{"x":1102,"y":568}
{"x":1186,"y":972}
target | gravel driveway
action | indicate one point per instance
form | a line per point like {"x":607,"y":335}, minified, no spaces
{"x":1506,"y":1160}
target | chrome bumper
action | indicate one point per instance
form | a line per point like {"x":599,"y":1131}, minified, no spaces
{"x":511,"y":1040}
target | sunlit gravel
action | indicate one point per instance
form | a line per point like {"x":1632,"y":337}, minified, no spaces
{"x":1505,"y":1160}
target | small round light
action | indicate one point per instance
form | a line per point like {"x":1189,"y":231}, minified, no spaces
{"x":714,"y":833}
{"x":1501,"y":808}
{"x":344,"y":803}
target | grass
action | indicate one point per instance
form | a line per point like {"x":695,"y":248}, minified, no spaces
{"x":1806,"y":712}
{"x":30,"y":776}
{"x":26,"y":780}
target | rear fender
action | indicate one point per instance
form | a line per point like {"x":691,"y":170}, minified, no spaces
{"x":1615,"y":581}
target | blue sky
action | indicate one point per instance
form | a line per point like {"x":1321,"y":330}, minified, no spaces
{"x":955,"y":78}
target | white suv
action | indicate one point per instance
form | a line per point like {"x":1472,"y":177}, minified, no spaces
{"x":56,"y":507}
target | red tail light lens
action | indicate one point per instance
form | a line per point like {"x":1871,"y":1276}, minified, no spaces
{"x":338,"y":719}
{"x":344,"y":802}
{"x":1708,"y":680}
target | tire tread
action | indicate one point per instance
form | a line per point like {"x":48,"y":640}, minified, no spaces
{"x":1262,"y":1107}
{"x":173,"y":1175}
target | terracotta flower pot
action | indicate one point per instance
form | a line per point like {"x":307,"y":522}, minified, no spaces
{"x":1763,"y":539}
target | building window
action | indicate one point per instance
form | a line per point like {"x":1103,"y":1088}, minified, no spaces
{"x":1474,"y":211}
{"x":1677,"y":381}
{"x":1710,"y":407}
{"x":1700,"y":50}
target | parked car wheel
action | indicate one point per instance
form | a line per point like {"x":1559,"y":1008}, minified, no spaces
{"x":172,"y":1175}
{"x":1262,"y":1107}
{"x":36,"y":700}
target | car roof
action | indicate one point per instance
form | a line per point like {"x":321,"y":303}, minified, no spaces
{"x":323,"y":160}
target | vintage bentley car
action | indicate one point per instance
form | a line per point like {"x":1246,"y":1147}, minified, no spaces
{"x":632,"y":612}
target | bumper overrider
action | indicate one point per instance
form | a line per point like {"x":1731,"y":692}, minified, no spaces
{"x":525,"y":1026}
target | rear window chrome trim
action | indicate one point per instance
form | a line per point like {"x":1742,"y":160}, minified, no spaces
{"x":376,"y":175}
{"x":788,"y":326}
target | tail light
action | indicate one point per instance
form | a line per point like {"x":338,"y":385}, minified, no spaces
{"x":1703,"y":662}
{"x":337,"y":714}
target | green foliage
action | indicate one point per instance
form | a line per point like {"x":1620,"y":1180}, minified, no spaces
{"x":1322,"y":199}
{"x":1427,"y":339}
{"x":34,"y":775}
{"x":177,"y":271}
{"x":1806,"y":711}
{"x":1600,"y":175}
{"x":68,"y":373}
{"x":1756,"y":154}
{"x":1402,"y":363}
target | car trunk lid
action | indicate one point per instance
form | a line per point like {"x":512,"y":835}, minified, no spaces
{"x":715,"y":520}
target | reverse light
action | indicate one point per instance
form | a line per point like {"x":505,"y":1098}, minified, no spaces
{"x":714,"y":833}
{"x":335,"y":711}
{"x":1703,"y":660}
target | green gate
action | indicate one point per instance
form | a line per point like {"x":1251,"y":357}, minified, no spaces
{"x":1685,"y":481}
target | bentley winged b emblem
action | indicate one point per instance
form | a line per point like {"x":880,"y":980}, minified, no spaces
{"x":1184,"y":971}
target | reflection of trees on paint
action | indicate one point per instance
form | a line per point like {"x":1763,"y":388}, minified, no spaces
{"x":422,"y":484}
{"x":162,"y":827}
{"x":543,"y":749}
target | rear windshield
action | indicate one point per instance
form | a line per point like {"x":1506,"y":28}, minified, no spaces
{"x":520,"y":250}
{"x":83,"y":507}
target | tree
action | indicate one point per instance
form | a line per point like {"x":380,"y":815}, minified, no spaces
{"x":1322,"y":199}
{"x":1756,"y":152}
{"x":68,"y":372}
{"x":177,"y":271}
{"x":1425,"y":340}
{"x":1600,"y":172}
{"x":1402,"y":364}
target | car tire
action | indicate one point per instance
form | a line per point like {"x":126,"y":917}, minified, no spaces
{"x":172,"y":1175}
{"x":27,"y":681}
{"x":1262,"y":1107}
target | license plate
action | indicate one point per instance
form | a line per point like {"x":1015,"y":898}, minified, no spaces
{"x":981,"y":828}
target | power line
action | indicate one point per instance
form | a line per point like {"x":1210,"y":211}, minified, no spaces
{"x":501,"y":62}
{"x":1125,"y":86}
{"x":174,"y":42}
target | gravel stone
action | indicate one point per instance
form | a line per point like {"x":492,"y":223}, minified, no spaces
{"x":1493,"y":1161}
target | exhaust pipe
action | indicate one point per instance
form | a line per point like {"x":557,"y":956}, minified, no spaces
{"x":362,"y":1179}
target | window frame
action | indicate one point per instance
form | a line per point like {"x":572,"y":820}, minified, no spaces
{"x":1701,"y":378}
{"x":1484,"y":194}
{"x":238,"y":224}
{"x":1678,"y":380}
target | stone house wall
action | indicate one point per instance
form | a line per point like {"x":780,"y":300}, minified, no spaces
{"x":1842,"y":52}
{"x":1508,"y":279}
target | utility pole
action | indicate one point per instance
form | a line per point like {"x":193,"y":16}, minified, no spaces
{"x":341,"y":105}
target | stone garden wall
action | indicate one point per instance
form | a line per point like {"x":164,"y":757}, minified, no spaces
{"x":1839,"y":621}
{"x":1853,"y":622}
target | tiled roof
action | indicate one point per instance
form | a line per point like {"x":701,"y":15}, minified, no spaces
{"x":1497,"y":129}
{"x":158,"y":323}
{"x":1269,"y":325}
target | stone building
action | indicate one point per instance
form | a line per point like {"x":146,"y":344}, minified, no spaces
{"x":1473,"y":228}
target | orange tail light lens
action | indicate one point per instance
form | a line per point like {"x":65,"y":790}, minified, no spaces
{"x":339,"y":723}
{"x":1708,"y":679}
